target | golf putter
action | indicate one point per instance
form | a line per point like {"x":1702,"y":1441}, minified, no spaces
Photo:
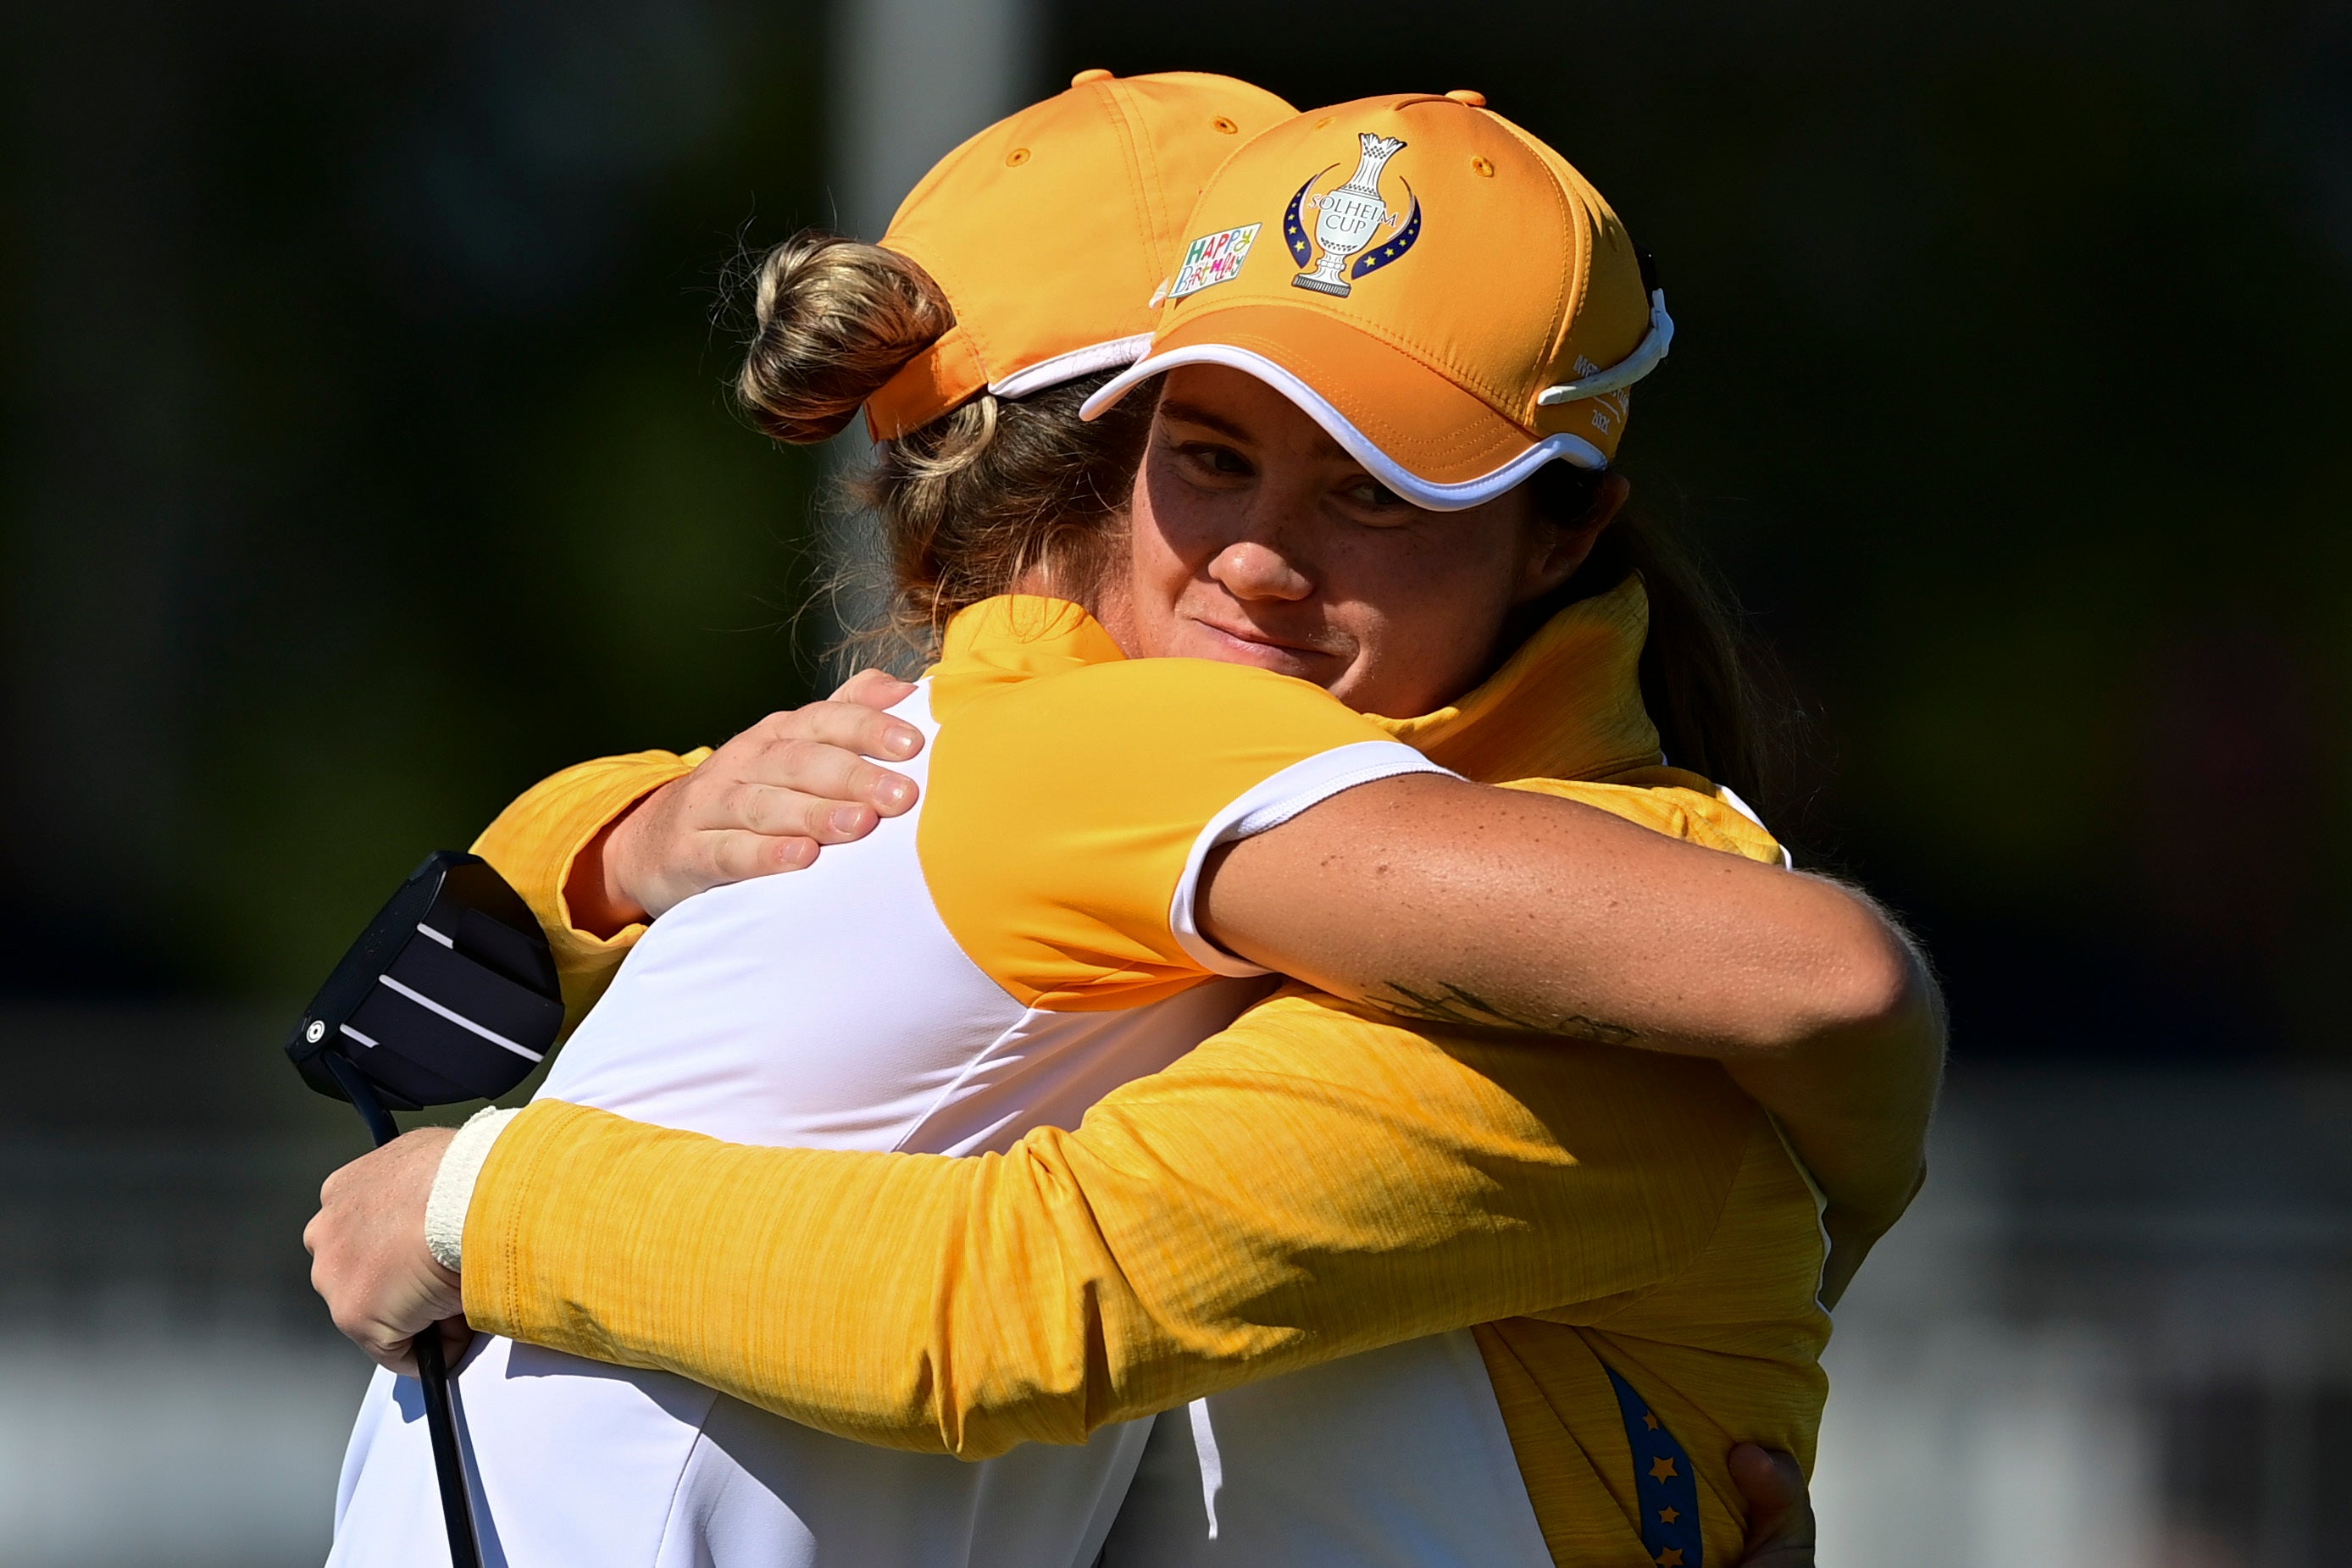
{"x":450,"y":995}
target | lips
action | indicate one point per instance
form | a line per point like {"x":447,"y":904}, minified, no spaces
{"x":1251,"y":636}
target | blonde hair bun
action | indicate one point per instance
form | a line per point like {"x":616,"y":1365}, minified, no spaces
{"x":834,"y":319}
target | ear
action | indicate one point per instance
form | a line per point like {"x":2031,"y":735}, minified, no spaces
{"x":1559,"y":550}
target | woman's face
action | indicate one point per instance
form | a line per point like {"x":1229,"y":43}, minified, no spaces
{"x":1256,"y":540}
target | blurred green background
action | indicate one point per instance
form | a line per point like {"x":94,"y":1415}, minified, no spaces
{"x":364,"y":455}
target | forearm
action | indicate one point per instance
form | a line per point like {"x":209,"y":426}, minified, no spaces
{"x":782,"y":1276}
{"x":1855,"y":1107}
{"x":1232,"y":1218}
{"x":540,"y":841}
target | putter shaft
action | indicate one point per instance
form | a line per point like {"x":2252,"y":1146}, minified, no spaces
{"x":432,"y":1371}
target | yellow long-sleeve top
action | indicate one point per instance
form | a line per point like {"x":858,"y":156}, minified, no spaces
{"x":1315,"y":1181}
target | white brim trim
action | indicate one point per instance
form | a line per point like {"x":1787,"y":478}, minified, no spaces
{"x":1069,"y":367}
{"x":1425,"y":494}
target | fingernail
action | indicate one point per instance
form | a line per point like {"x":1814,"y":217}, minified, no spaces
{"x":896,"y":792}
{"x":848,"y":819}
{"x":903,"y":742}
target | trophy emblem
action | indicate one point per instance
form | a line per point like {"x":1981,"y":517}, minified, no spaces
{"x":1346,"y":220}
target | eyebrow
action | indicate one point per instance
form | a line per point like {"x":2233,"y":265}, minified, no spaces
{"x":1194,"y":413}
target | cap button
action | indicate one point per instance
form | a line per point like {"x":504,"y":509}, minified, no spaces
{"x":1085,"y":76}
{"x":1468,"y":95}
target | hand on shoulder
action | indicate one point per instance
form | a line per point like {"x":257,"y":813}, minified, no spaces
{"x":767,"y":801}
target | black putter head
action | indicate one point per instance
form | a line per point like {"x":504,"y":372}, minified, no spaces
{"x":450,"y":995}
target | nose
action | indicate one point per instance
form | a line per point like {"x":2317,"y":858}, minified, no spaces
{"x":1250,"y":569}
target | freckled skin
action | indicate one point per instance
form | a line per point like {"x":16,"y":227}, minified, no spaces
{"x":1257,"y":541}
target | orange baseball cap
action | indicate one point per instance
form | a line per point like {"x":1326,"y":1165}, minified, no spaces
{"x":1450,"y":300}
{"x":1048,"y":231}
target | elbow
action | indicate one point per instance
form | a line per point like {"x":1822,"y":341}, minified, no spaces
{"x":1881,"y":982}
{"x":1867,"y":981}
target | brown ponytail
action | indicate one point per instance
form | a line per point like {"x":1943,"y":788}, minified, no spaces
{"x":1698,"y":680}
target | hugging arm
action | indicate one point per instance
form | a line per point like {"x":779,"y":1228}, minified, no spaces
{"x":603,"y":847}
{"x":1457,"y":904}
{"x":1315,"y":1181}
{"x":1440,"y":900}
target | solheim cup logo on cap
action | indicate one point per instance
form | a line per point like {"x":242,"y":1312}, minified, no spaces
{"x":1346,"y":220}
{"x":1214,"y":258}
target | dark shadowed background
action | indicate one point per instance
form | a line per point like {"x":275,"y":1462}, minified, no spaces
{"x":365,"y":457}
